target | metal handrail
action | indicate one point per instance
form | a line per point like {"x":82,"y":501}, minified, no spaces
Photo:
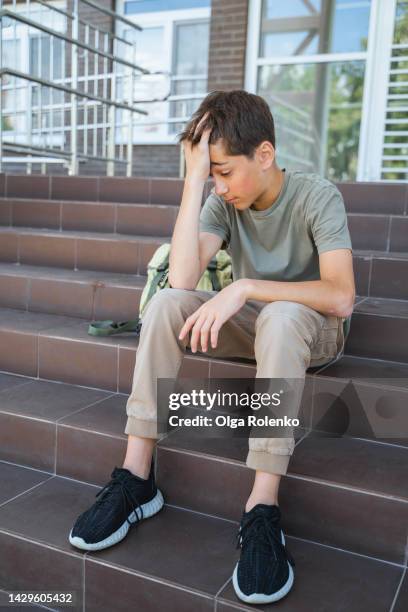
{"x":116,"y":16}
{"x":39,"y":26}
{"x":57,"y":153}
{"x":85,"y":23}
{"x":69,"y":90}
{"x":107,"y":100}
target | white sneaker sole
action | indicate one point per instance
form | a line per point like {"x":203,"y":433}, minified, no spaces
{"x":261,"y":598}
{"x":149,"y":509}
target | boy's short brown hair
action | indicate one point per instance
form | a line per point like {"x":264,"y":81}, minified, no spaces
{"x":243,"y":120}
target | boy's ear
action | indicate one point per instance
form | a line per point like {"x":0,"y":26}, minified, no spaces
{"x":265,"y":154}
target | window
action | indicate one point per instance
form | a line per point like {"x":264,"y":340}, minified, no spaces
{"x":46,"y":57}
{"x":149,"y":6}
{"x":174,"y":39}
{"x":310,"y":67}
{"x":298,"y":27}
{"x":190,"y":69}
{"x":317,"y":111}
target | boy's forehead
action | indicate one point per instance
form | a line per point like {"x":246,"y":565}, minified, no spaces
{"x":218,"y":156}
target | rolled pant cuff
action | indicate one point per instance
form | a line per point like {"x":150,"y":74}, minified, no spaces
{"x":142,"y":428}
{"x":268,"y":462}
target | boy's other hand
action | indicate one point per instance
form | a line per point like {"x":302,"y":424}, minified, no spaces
{"x":207,"y":320}
{"x":197,"y":156}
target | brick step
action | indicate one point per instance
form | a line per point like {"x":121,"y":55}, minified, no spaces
{"x":378,"y":273}
{"x":379,"y":232}
{"x":141,"y":219}
{"x":381,"y":274}
{"x":93,"y":189}
{"x":361,"y":197}
{"x":177,"y":560}
{"x":91,"y":295}
{"x":387,"y":232}
{"x":98,"y":294}
{"x":379,"y":326}
{"x":379,"y":329}
{"x":358,"y":487}
{"x":75,"y":250}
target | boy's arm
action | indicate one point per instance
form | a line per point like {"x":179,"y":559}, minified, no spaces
{"x":334,"y":294}
{"x":190,"y":251}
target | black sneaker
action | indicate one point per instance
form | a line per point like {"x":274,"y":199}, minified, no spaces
{"x":264,"y":572}
{"x":124,"y":501}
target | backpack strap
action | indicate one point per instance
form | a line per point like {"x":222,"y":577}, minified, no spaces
{"x":110,"y":328}
{"x":212,"y":270}
{"x":162,"y":270}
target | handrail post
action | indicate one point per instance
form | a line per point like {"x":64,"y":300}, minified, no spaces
{"x":110,"y":166}
{"x":73,"y":170}
{"x":129,"y":165}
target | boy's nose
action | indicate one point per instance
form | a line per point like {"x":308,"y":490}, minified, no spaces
{"x":220,"y":188}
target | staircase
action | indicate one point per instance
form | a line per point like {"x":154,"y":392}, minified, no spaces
{"x":75,"y":249}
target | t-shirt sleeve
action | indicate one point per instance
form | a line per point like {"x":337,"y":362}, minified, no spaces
{"x":327,"y":220}
{"x":214,"y":219}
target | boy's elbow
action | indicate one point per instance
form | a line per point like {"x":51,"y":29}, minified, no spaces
{"x":345,"y":304}
{"x":181,"y":283}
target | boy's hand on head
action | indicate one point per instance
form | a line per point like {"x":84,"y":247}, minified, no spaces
{"x":197,"y":156}
{"x":206,"y":322}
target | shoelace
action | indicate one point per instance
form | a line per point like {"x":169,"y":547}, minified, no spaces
{"x":253,"y":531}
{"x":126,"y":497}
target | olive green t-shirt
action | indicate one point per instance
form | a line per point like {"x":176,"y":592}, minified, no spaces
{"x":284,"y":241}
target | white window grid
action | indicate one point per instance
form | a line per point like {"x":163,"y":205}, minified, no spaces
{"x":45,"y":132}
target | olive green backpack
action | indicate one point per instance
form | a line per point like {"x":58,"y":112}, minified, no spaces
{"x":217,"y":276}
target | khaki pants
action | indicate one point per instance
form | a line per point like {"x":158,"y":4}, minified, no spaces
{"x":285,"y":338}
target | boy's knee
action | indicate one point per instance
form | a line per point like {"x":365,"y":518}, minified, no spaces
{"x":169,"y":303}
{"x":282,"y":316}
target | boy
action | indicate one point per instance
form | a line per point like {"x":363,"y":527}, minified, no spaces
{"x":293,"y":287}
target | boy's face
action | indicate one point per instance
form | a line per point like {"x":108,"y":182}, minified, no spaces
{"x":238,"y":179}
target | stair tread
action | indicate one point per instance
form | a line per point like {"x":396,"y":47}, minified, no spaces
{"x":191,"y":550}
{"x":32,"y":271}
{"x":85,"y":202}
{"x":75,"y":328}
{"x":60,"y":326}
{"x":372,"y":253}
{"x":53,"y":233}
{"x":58,"y":201}
{"x":382,"y":307}
{"x":363,"y":368}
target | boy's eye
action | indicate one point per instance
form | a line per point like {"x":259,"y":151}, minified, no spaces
{"x":225,"y":173}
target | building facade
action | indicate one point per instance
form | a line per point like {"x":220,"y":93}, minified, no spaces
{"x":334,"y":72}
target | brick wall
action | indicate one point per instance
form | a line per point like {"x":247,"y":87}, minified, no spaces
{"x":226,"y":68}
